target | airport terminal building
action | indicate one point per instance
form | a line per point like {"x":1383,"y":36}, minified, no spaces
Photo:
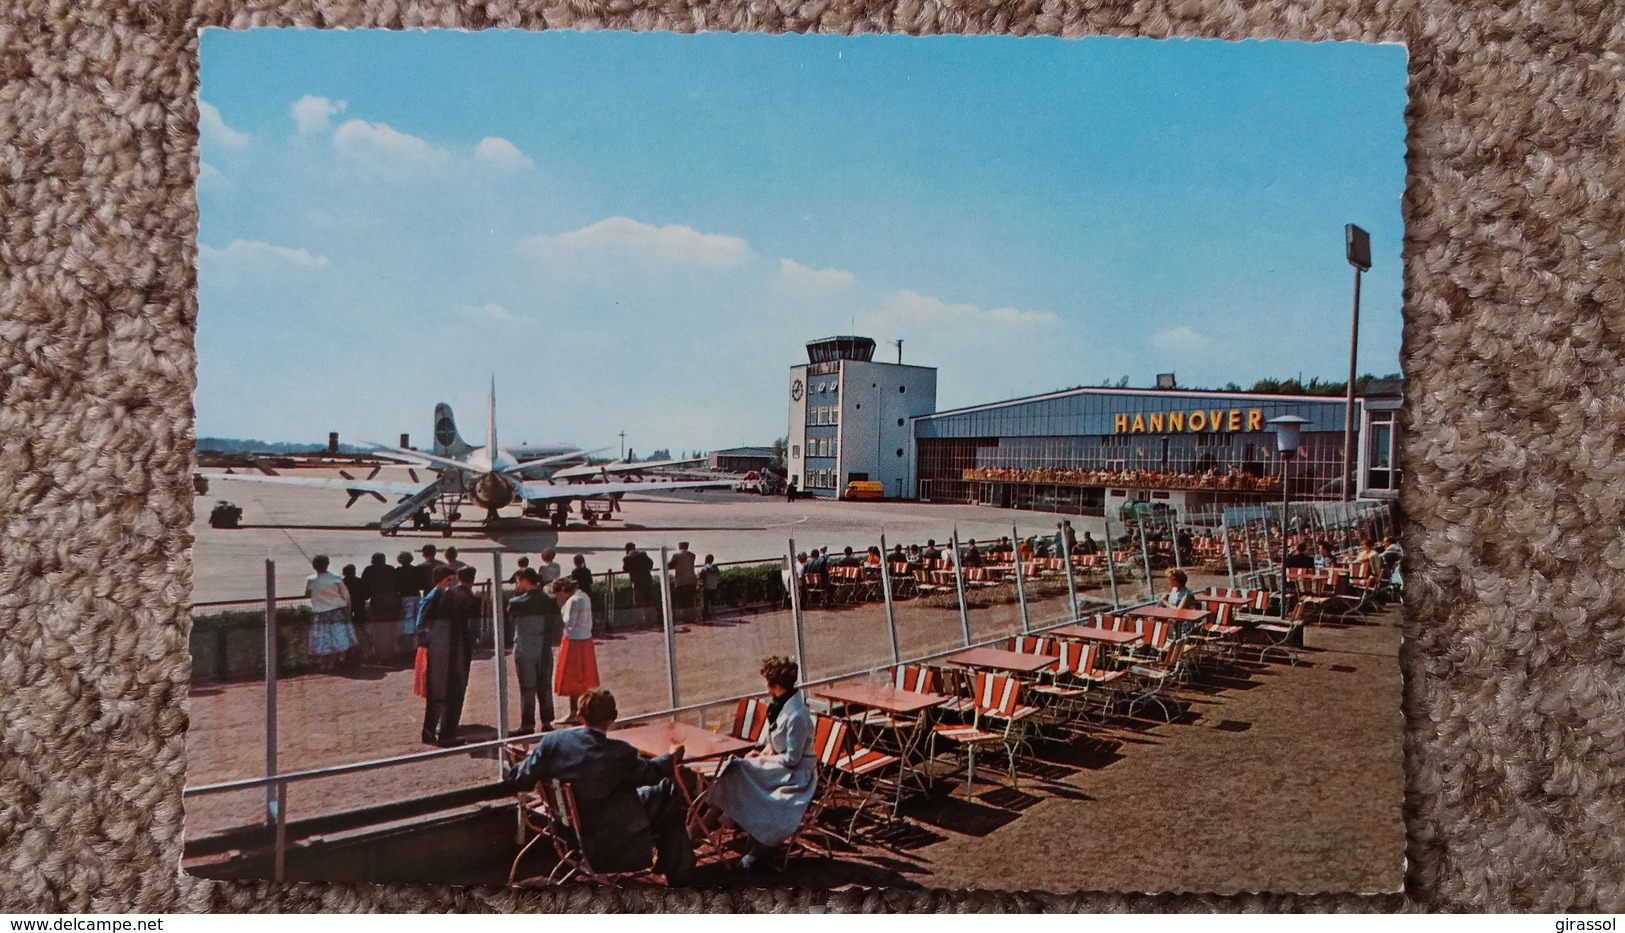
{"x":1078,"y":451}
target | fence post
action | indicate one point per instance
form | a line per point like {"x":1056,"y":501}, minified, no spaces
{"x":1071,"y":586}
{"x":1247,"y":539}
{"x":891,"y":610}
{"x":499,"y":637}
{"x":959,"y":587}
{"x":1229,"y":560}
{"x":275,"y":795}
{"x":1021,"y":588}
{"x":795,"y":615}
{"x":1111,"y":560}
{"x":671,"y":629}
{"x":1173,"y":540}
{"x":1145,"y":558}
{"x":609,"y":601}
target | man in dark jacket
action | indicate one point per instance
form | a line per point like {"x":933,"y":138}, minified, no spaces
{"x":538,"y":626}
{"x":379,"y":582}
{"x":628,"y":804}
{"x":639,"y":568}
{"x":448,"y":623}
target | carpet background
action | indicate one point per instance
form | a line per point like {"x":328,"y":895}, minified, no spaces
{"x":1513,"y":352}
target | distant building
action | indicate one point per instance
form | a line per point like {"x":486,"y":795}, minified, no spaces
{"x":850,"y":418}
{"x":739,"y":459}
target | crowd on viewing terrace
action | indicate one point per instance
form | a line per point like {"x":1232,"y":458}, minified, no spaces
{"x":1215,"y":478}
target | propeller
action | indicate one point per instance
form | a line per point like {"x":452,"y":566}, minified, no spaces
{"x":375,"y":471}
{"x":414,"y":474}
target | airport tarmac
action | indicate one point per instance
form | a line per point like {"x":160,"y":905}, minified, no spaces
{"x":291,"y":524}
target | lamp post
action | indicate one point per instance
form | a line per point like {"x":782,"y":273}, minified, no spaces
{"x":1288,"y":430}
{"x":1357,"y":246}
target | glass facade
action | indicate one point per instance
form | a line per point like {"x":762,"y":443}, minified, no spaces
{"x":1059,"y":453}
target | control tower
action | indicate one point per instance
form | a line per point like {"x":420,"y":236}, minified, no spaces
{"x":849,"y":418}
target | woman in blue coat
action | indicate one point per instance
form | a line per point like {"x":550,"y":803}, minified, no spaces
{"x":766,"y":792}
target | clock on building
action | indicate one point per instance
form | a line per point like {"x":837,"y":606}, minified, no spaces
{"x":795,"y":391}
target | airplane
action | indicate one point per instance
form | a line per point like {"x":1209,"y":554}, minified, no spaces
{"x":545,"y":479}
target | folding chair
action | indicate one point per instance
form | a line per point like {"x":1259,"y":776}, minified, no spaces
{"x":1153,"y":679}
{"x":844,"y":767}
{"x":1074,"y":681}
{"x":903,"y":584}
{"x":1280,"y":632}
{"x":549,"y":811}
{"x":997,"y":703}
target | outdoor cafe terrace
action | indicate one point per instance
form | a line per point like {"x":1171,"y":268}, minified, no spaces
{"x":1108,"y":735}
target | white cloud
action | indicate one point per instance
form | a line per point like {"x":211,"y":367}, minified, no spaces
{"x":1179,"y":338}
{"x":620,"y":244}
{"x":312,"y":113}
{"x":257,"y":255}
{"x":924,"y":311}
{"x":493,"y":313}
{"x":213,"y":130}
{"x":380,"y":147}
{"x":795,"y":275}
{"x":210,"y":178}
{"x":494,"y":150}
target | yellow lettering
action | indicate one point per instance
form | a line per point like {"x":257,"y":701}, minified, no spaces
{"x":1119,"y":424}
{"x":1215,"y":420}
{"x":1234,"y":424}
{"x":1198,"y":421}
{"x":1153,"y":422}
{"x":1176,"y":421}
{"x":1139,"y":424}
{"x":1255,"y":419}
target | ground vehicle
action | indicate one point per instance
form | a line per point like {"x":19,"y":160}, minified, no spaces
{"x":864,"y":489}
{"x":763,"y":482}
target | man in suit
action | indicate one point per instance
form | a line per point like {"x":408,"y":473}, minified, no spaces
{"x":628,"y":804}
{"x":448,"y":622}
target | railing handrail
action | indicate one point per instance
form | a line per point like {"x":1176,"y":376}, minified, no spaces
{"x":380,"y":763}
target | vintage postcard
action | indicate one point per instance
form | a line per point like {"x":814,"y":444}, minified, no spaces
{"x":728,"y":460}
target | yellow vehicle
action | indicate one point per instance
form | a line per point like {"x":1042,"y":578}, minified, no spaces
{"x":865,"y":489}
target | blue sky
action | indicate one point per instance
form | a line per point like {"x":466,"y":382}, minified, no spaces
{"x":641,"y":231}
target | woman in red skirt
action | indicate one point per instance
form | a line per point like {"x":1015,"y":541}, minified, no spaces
{"x":577,"y":670}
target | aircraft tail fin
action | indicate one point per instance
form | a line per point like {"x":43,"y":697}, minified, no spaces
{"x":447,"y":441}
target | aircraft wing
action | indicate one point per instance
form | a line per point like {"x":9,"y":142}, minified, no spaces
{"x":383,"y":487}
{"x":580,"y":472}
{"x":534,"y":492}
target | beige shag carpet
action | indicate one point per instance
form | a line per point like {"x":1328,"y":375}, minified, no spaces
{"x":1513,"y":353}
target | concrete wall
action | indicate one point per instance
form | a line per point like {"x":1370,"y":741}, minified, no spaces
{"x":875,"y":423}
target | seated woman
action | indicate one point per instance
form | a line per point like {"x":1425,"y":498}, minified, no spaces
{"x":1179,"y":595}
{"x":766,"y":792}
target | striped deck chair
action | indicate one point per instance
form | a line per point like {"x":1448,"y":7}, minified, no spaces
{"x":1151,"y":680}
{"x":1280,"y":632}
{"x":903,"y":584}
{"x":549,"y":810}
{"x":1075,"y":681}
{"x":1220,"y":631}
{"x":1000,"y":719}
{"x":849,"y":774}
{"x":1032,"y":644}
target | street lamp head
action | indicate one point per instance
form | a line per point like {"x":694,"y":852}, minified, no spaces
{"x":1288,"y":429}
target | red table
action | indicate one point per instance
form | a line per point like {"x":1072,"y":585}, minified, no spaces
{"x":656,"y":738}
{"x":1096,"y":633}
{"x":1000,"y":660}
{"x":887,"y":698}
